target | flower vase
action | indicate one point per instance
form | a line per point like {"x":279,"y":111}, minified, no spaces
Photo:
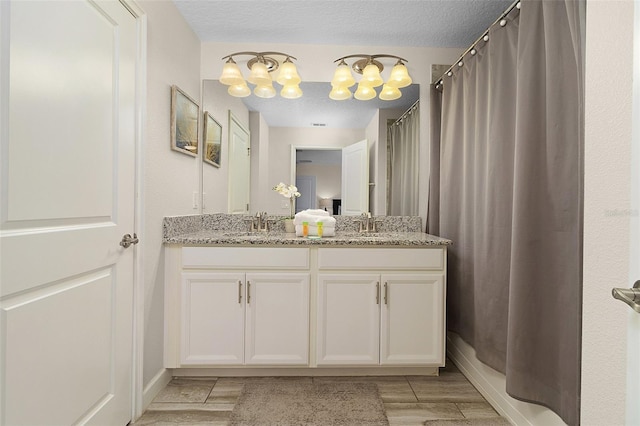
{"x":289,"y":227}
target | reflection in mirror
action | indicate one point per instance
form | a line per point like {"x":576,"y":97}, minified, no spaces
{"x":212,"y":137}
{"x":312,"y":121}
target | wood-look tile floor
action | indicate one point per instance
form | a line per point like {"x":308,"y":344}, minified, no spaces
{"x":408,"y":400}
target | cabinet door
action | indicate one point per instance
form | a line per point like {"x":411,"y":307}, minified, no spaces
{"x":212,"y":318}
{"x":348,"y":319}
{"x":277,"y":330}
{"x":412,"y":319}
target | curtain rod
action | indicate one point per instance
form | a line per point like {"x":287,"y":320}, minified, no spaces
{"x":407,"y":112}
{"x":515,"y":4}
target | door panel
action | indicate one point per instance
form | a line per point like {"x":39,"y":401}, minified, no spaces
{"x":348,"y":319}
{"x":355,"y":178}
{"x":212,"y":318}
{"x":277,"y":319}
{"x":307,"y":188}
{"x":412,"y":319}
{"x":239,"y":167}
{"x":68,"y":157}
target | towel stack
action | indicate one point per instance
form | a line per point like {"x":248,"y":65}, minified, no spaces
{"x":313,"y":217}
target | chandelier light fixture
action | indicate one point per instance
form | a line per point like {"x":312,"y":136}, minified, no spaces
{"x":370,"y":68}
{"x":261,"y":65}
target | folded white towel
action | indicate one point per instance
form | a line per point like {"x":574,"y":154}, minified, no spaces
{"x":328,"y":231}
{"x":305,"y":216}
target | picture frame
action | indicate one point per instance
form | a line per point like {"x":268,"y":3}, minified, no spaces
{"x":185,"y":114}
{"x":211,"y":140}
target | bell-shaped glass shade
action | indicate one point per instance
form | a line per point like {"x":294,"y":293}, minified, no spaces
{"x":291,"y":91}
{"x":231,"y":74}
{"x":399,"y":76}
{"x":259,"y":75}
{"x":343,"y":77}
{"x":389,"y":93}
{"x":288,"y":74}
{"x":371,"y":76}
{"x":340,"y":93}
{"x":239,"y":90}
{"x":265,"y":91}
{"x":364,"y":92}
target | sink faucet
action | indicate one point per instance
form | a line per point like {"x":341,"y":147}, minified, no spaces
{"x":365,"y":222}
{"x":261,"y":223}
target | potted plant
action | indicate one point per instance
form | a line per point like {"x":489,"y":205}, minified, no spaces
{"x":290,"y":192}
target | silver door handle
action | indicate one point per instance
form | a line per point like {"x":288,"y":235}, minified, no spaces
{"x":630,"y":296}
{"x":127,"y":240}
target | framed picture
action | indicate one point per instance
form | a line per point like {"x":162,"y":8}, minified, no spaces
{"x":211,"y":140}
{"x":184,"y":122}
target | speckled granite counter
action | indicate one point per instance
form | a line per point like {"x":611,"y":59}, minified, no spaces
{"x":231,"y":230}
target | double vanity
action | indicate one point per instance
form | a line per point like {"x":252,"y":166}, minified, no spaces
{"x":270,"y":303}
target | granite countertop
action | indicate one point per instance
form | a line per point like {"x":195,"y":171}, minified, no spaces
{"x":226,"y":238}
{"x":231,"y":230}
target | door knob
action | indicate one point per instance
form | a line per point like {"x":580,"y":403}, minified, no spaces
{"x":630,"y":296}
{"x":127,"y":240}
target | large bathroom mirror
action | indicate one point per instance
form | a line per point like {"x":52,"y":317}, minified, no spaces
{"x":301,"y":139}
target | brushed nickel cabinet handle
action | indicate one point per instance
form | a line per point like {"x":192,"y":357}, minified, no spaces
{"x":378,"y":293}
{"x":386,"y":295}
{"x":239,"y":291}
{"x":248,"y":292}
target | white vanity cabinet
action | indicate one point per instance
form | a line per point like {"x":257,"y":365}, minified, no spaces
{"x":307,"y":309}
{"x":380,"y":306}
{"x":256,"y":315}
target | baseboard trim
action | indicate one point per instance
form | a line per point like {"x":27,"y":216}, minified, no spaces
{"x":154,"y":387}
{"x":302,"y":371}
{"x":492,"y":385}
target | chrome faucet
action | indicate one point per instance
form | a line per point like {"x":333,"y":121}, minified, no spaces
{"x":365,"y":222}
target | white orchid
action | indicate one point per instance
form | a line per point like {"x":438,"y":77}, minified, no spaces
{"x":289,"y":191}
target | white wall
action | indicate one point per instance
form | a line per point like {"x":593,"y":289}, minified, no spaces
{"x":280,"y":141}
{"x":170,"y":178}
{"x":608,"y":122}
{"x":315,"y":63}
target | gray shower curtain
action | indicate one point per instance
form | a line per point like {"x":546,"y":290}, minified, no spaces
{"x":510,"y":198}
{"x":404,"y":141}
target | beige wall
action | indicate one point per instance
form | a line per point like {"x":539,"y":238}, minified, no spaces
{"x":215,"y":180}
{"x":170,"y":178}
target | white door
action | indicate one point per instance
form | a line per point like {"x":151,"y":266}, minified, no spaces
{"x":239,"y":167}
{"x":355,"y":178}
{"x":277,"y":329}
{"x":348,"y":325}
{"x":307,"y":188}
{"x":212,"y":318}
{"x":68,"y":146}
{"x":633,"y":333}
{"x":412,"y":319}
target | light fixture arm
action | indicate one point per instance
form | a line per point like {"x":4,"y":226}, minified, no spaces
{"x":258,"y":54}
{"x":369,"y":57}
{"x":358,"y":66}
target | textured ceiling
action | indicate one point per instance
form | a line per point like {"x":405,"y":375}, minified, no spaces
{"x":424,"y":23}
{"x":416,"y":23}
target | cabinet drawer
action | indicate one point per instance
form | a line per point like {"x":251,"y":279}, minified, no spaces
{"x":245,"y":258}
{"x":381,"y":258}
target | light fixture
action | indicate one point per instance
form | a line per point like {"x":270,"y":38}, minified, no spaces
{"x":261,"y":65}
{"x":370,"y":68}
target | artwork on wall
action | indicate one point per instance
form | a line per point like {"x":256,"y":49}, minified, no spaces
{"x":211,"y":140}
{"x":184,"y":122}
